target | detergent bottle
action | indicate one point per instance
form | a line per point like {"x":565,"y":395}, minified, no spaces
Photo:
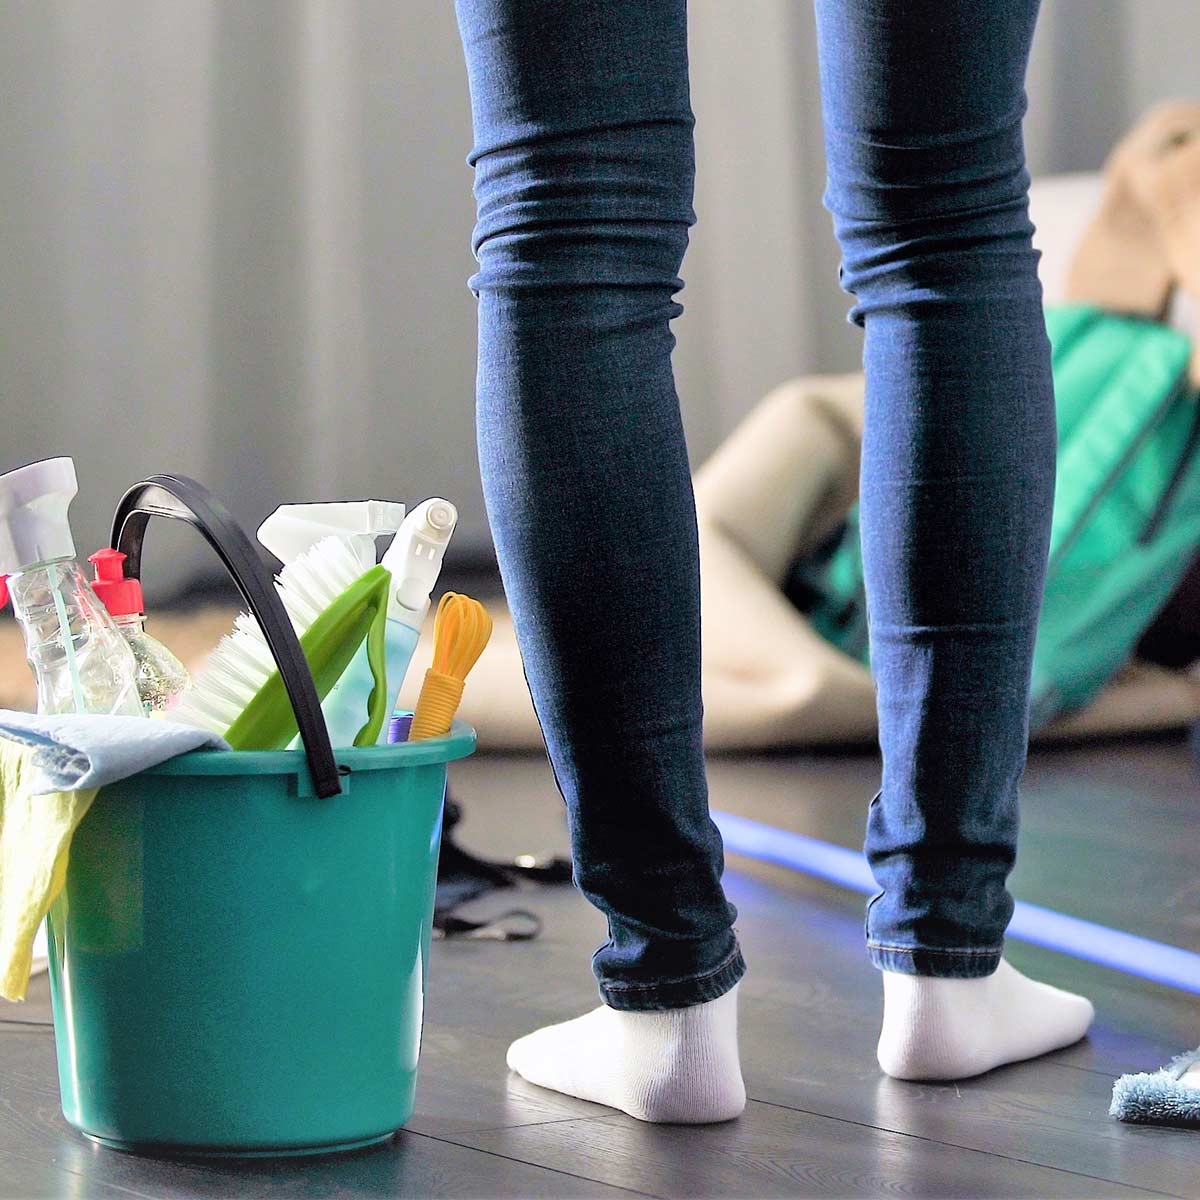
{"x":161,"y":677}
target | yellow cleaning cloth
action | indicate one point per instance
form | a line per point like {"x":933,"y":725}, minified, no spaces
{"x":35,"y":834}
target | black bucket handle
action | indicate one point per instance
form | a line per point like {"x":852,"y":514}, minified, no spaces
{"x":182,"y":498}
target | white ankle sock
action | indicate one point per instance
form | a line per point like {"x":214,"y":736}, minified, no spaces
{"x":955,"y":1028}
{"x":679,"y":1065}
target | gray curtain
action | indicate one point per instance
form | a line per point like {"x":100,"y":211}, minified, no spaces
{"x":235,"y":233}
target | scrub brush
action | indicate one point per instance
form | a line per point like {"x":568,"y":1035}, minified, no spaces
{"x":460,"y":631}
{"x":335,"y":597}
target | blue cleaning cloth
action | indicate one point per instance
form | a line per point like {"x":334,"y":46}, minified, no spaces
{"x":1157,"y":1097}
{"x":74,"y":751}
{"x":50,"y":770}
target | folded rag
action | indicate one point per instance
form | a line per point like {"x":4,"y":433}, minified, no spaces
{"x":75,"y":750}
{"x":1158,"y":1097}
{"x":51,"y":768}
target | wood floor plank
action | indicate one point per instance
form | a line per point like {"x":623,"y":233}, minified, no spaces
{"x":40,"y":1155}
{"x":464,"y":1085}
{"x":21,"y":1179}
{"x":808,"y":1043}
{"x":811,"y":1009}
{"x":776,"y":1152}
{"x":825,"y":1121}
{"x":36,"y":1005}
{"x":1046,"y":1111}
{"x":1102,"y":824}
{"x":1142,"y":1023}
{"x":1100,"y":828}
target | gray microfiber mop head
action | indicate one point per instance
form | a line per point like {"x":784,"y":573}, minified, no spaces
{"x":1157,"y":1097}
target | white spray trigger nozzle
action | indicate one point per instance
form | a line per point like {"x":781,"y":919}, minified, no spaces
{"x":33,"y":514}
{"x":415,"y":558}
{"x":293,"y":529}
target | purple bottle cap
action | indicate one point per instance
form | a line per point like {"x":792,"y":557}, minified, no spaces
{"x":398,"y":728}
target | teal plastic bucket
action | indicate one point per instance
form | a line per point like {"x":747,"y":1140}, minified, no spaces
{"x":237,"y":966}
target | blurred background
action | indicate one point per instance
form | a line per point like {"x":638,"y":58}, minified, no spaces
{"x":235,"y":235}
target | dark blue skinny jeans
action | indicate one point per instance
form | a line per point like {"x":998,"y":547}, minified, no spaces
{"x":584,"y":163}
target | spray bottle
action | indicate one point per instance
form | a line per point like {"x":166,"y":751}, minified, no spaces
{"x":414,"y":559}
{"x":81,"y":661}
{"x":294,"y":529}
{"x":161,"y":677}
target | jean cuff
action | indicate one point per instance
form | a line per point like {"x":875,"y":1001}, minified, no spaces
{"x":676,"y":993}
{"x":939,"y":964}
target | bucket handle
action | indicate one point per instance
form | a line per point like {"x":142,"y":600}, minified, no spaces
{"x":183,"y":498}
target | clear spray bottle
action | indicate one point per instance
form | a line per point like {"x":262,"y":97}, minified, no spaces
{"x":414,"y":559}
{"x":81,"y":662}
{"x":161,"y":677}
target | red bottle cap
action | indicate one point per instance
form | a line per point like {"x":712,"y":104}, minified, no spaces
{"x":119,"y":595}
{"x":3,"y":590}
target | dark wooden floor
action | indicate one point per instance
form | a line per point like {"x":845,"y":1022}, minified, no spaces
{"x":1108,"y":834}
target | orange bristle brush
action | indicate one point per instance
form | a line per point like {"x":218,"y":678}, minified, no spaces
{"x":460,"y":631}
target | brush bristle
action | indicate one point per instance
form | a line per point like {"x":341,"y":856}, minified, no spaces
{"x":242,"y":661}
{"x":311,"y":583}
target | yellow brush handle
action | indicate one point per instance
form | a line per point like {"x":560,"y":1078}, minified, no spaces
{"x":438,"y":702}
{"x":460,"y":631}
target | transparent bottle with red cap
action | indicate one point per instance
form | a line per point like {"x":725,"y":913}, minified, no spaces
{"x":81,"y":662}
{"x":161,"y":677}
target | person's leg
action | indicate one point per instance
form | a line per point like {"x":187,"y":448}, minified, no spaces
{"x":583,"y":176}
{"x":923,"y":102}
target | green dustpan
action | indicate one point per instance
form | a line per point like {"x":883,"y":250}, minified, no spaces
{"x":329,"y":645}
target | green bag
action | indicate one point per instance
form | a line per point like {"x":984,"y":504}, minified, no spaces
{"x":1126,"y":522}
